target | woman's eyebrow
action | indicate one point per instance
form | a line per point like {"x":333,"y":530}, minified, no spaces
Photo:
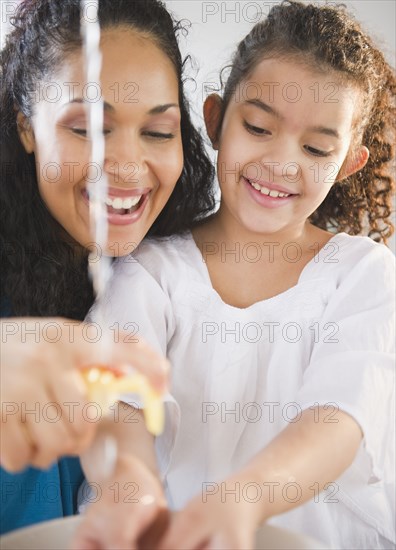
{"x":157,"y":110}
{"x":107,"y":106}
{"x":162,"y":108}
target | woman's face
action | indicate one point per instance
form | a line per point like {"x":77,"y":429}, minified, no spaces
{"x":143,"y":146}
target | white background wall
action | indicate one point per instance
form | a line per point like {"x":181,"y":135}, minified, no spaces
{"x":217,"y":26}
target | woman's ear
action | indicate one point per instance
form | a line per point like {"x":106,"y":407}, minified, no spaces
{"x":356,"y":161}
{"x":25,"y":132}
{"x":212,"y":114}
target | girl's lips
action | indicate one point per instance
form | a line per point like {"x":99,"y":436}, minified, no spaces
{"x":266,"y":200}
{"x":124,"y":219}
{"x":271,"y":186}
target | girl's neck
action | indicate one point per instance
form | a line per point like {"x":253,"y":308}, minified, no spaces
{"x":222,"y":227}
{"x":246,"y":267}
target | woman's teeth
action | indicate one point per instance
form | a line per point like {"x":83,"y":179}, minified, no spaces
{"x":123,"y":204}
{"x":270,"y":192}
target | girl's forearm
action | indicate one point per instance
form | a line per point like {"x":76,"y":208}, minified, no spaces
{"x":127,"y":428}
{"x":302,"y":460}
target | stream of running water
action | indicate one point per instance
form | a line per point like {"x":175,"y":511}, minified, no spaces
{"x":104,"y":451}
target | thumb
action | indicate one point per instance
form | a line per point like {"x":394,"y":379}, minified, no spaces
{"x":103,"y":350}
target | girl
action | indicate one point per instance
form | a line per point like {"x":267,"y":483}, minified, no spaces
{"x":278,"y":323}
{"x":45,"y":236}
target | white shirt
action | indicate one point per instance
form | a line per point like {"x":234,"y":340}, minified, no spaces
{"x":239,"y":376}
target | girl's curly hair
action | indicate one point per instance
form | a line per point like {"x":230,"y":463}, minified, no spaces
{"x":41,"y":273}
{"x":330,"y":39}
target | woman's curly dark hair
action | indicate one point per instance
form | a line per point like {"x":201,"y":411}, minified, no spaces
{"x":41,"y":273}
{"x":330,"y":39}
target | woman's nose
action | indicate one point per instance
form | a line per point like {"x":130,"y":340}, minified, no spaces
{"x":125,"y":162}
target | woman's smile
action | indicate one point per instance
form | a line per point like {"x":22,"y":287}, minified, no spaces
{"x":143,"y":149}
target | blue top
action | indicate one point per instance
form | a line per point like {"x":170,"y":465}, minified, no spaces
{"x":35,"y":495}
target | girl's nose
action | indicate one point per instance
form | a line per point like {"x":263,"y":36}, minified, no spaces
{"x":280,"y":164}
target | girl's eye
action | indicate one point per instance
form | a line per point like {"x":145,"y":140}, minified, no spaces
{"x":255,"y":130}
{"x":159,"y":135}
{"x":316,"y":152}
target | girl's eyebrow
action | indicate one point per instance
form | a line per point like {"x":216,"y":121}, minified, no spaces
{"x":264,"y":107}
{"x":158,"y":109}
{"x":316,"y":129}
{"x":324,"y":130}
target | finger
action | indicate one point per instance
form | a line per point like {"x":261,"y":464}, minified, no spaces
{"x":16,"y":446}
{"x":85,"y":541}
{"x":97,"y":533}
{"x":49,"y":432}
{"x":187,"y":532}
{"x":145,"y":361}
{"x":138,"y":355}
{"x":26,"y":435}
{"x":156,"y":530}
{"x":70,"y":394}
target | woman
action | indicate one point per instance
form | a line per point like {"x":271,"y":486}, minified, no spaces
{"x":45,"y":235}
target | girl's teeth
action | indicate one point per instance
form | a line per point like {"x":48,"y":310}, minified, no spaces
{"x":265,"y":191}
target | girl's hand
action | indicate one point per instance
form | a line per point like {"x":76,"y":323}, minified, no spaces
{"x":44,"y":401}
{"x":220,"y":520}
{"x":131,"y":506}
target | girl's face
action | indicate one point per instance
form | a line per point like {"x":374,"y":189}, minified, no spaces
{"x":283,"y":142}
{"x":144,"y":156}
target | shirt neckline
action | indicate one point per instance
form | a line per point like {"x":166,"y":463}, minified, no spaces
{"x":279,"y":296}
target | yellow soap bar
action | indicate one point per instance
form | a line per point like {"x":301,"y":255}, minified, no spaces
{"x":104,"y":387}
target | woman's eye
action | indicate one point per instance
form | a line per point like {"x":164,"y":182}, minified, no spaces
{"x":159,"y":135}
{"x":83,"y":131}
{"x":79,"y":131}
{"x":316,"y":152}
{"x":255,"y":130}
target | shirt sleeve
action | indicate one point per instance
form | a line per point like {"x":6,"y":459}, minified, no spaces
{"x":136,"y":306}
{"x":354,"y":369}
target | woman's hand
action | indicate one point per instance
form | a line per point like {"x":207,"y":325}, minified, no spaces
{"x":131,"y":507}
{"x":219,"y":519}
{"x":45,"y":413}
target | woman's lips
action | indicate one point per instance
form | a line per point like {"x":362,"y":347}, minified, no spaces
{"x":123,"y":216}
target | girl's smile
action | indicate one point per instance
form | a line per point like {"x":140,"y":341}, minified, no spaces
{"x":267,"y":194}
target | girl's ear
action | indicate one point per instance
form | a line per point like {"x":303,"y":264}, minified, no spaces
{"x":25,"y":132}
{"x":212,"y":114}
{"x":356,"y":161}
